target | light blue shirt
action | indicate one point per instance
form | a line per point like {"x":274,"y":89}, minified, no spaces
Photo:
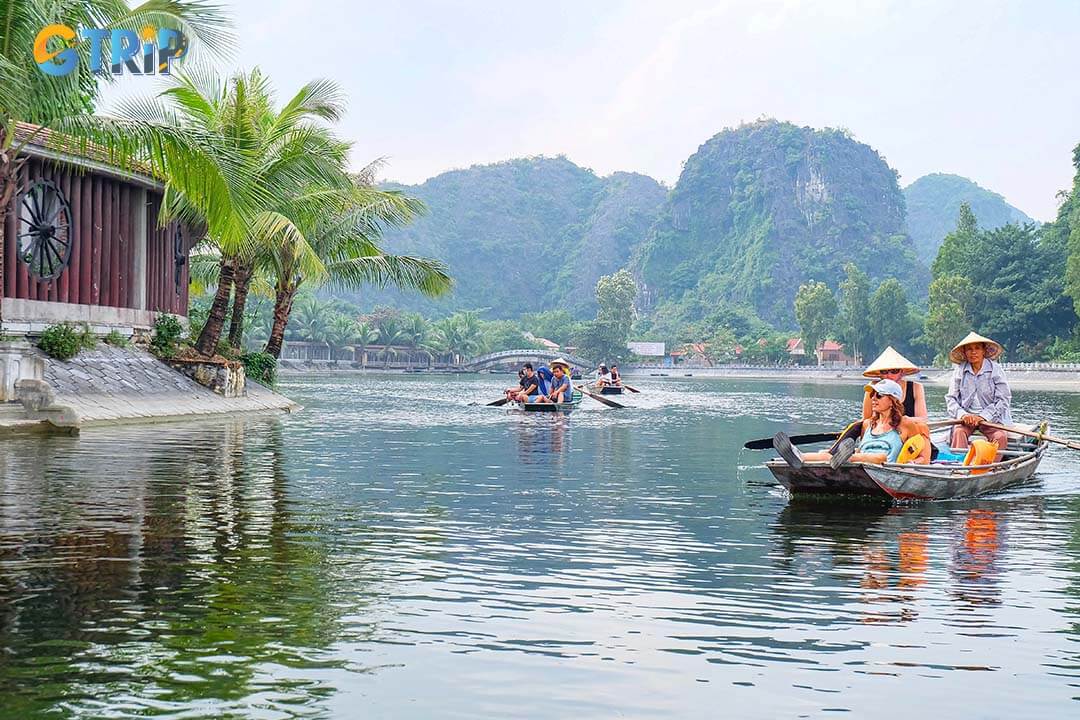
{"x":986,"y":394}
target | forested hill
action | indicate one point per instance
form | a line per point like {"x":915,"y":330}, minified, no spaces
{"x":933,"y":204}
{"x":763,"y":208}
{"x":523,"y":235}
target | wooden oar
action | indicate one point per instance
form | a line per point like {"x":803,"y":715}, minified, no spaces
{"x":599,"y":398}
{"x":498,"y":403}
{"x":631,"y":388}
{"x":765,"y":443}
{"x":1072,"y":444}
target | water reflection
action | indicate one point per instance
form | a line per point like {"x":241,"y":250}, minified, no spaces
{"x":424,"y":560}
{"x":165,"y":574}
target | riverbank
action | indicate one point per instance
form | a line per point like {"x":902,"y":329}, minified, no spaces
{"x":111,"y":385}
{"x":1063,"y":380}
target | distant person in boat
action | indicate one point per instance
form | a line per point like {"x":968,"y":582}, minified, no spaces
{"x":603,"y":377}
{"x":615,"y":379}
{"x":891,"y":365}
{"x":882,"y":436}
{"x":511,"y":392}
{"x":978,"y":392}
{"x":561,"y":389}
{"x":529,"y":386}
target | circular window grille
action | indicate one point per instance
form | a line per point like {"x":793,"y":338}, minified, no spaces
{"x":44,"y":230}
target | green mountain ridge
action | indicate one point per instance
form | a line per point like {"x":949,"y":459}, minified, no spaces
{"x":933,"y":205}
{"x":762,"y":208}
{"x":524,"y":235}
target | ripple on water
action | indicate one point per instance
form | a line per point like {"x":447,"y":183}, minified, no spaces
{"x":428,"y":557}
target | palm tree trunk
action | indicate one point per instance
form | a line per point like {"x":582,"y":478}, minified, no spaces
{"x":242,"y":281}
{"x":283,"y":301}
{"x":215,"y":321}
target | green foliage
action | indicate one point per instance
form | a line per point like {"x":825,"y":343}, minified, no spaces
{"x":61,"y":341}
{"x":167,"y":333}
{"x":854,"y":310}
{"x":1064,"y":232}
{"x":605,"y":338}
{"x":891,"y":319}
{"x":116,"y":339}
{"x":952,"y":299}
{"x":555,"y":325}
{"x":933,"y":202}
{"x":260,"y":366}
{"x":1018,"y":278}
{"x":815,"y":311}
{"x":764,"y":208}
{"x":484,"y":221}
{"x":87,"y":338}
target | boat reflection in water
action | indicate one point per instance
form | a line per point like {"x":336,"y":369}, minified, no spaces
{"x":894,"y":555}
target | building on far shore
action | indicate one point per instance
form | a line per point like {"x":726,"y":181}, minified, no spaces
{"x":82,"y":244}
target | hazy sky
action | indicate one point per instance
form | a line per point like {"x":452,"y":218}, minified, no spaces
{"x":983,"y":89}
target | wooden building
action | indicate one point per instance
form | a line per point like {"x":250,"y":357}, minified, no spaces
{"x":82,"y":244}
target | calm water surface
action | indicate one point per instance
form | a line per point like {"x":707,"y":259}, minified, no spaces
{"x":389,"y":552}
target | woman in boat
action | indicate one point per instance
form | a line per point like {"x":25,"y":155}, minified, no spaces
{"x":882,"y":437}
{"x":891,"y":365}
{"x":978,"y":392}
{"x":603,"y":377}
{"x":615,"y":379}
{"x":561,"y":390}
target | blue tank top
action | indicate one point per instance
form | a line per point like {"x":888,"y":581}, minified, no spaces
{"x":887,"y":442}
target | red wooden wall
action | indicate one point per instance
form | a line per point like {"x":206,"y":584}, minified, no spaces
{"x":101,"y":270}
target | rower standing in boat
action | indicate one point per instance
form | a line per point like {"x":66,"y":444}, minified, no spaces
{"x":978,"y":391}
{"x":891,"y":365}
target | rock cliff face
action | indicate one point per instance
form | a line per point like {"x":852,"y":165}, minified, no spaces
{"x":762,"y":208}
{"x":525,"y":235}
{"x":933,"y":205}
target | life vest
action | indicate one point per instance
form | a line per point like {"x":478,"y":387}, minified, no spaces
{"x":981,"y":452}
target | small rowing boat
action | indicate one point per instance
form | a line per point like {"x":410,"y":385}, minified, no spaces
{"x":906,"y":481}
{"x":550,"y":407}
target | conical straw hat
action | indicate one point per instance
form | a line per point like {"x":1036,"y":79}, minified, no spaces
{"x":890,"y":360}
{"x":559,"y":361}
{"x":993,"y":349}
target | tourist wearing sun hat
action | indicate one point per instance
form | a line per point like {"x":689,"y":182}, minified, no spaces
{"x":561,"y":389}
{"x":978,"y":391}
{"x":891,"y":365}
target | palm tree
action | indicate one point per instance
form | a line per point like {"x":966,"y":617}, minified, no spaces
{"x":283,"y":154}
{"x":32,"y":102}
{"x":366,"y":335}
{"x":334,"y":242}
{"x":414,"y":335}
{"x":341,"y":332}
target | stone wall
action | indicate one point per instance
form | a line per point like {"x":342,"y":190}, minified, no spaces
{"x":18,"y":361}
{"x":226,"y":379}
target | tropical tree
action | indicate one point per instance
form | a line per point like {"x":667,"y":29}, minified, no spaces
{"x":815,"y":311}
{"x":32,"y":101}
{"x":340,"y":334}
{"x":854,"y":309}
{"x":463,"y":335}
{"x":952,"y":299}
{"x":365,"y":334}
{"x":333,"y":240}
{"x":892,"y":321}
{"x":310,"y":322}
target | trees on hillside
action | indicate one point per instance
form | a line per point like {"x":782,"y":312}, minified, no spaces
{"x":854,"y":310}
{"x":815,"y":311}
{"x":604,"y":339}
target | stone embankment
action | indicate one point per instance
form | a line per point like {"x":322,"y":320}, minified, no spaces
{"x":115,"y":385}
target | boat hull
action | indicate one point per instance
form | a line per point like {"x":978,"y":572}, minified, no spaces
{"x":609,"y":390}
{"x":549,"y":407}
{"x":895,"y":482}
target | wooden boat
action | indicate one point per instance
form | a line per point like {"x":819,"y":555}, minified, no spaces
{"x":904,"y":482}
{"x":550,"y":407}
{"x":611,"y":390}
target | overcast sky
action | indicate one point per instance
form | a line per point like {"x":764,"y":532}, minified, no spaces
{"x":984,"y":89}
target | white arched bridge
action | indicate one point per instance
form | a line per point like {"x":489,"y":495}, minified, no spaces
{"x":512,"y":357}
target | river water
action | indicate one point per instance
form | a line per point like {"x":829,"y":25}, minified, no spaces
{"x":393,"y":552}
